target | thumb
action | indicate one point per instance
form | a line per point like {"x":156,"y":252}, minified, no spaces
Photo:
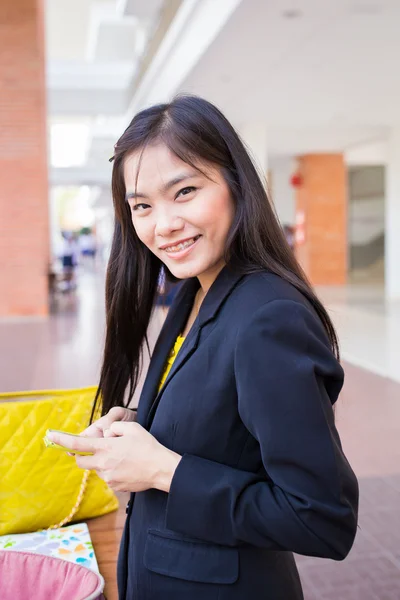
{"x":122,"y":428}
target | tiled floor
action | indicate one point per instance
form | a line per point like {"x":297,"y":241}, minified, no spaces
{"x":368,"y":418}
{"x":369,"y":327}
{"x":65,"y":351}
{"x":372,"y":569}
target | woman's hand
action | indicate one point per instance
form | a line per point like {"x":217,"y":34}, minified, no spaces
{"x":130,"y":459}
{"x":101,"y":427}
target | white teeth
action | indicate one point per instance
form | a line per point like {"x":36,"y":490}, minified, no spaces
{"x":181,"y":246}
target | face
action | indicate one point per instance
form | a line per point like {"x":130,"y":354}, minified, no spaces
{"x":182,"y":216}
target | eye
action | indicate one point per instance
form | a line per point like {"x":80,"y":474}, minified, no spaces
{"x":185,"y":191}
{"x":140,"y":207}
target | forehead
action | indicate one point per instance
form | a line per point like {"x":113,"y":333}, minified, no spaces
{"x":153,"y":160}
{"x":156,"y":165}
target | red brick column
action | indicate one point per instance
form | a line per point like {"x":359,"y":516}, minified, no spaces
{"x":321,"y":214}
{"x":24,"y":245}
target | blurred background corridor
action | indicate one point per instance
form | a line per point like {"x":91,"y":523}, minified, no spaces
{"x":313,"y":87}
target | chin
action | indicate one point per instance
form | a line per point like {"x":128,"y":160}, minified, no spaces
{"x":184,"y":271}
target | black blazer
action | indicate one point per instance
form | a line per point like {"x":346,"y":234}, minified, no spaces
{"x":248,"y":404}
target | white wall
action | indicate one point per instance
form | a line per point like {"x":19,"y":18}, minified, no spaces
{"x":254,"y":136}
{"x":366,"y":210}
{"x":372,"y":153}
{"x":366,"y":220}
{"x":392,"y":217}
{"x":283,"y":194}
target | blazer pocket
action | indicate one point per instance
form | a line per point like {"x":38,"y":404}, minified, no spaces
{"x":190,"y":560}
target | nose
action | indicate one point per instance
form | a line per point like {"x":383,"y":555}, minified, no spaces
{"x":167,"y":223}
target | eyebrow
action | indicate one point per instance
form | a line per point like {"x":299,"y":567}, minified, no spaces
{"x":167,"y":186}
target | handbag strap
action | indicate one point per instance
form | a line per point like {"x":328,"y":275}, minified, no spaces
{"x":77,"y":504}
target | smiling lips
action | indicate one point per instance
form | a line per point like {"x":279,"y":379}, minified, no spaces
{"x":182,"y":245}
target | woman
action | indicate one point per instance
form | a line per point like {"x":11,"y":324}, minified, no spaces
{"x":234,"y":461}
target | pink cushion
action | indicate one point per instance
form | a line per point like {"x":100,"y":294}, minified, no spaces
{"x":29,"y":576}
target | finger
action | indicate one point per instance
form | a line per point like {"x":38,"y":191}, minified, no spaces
{"x":106,"y":476}
{"x":78,"y":443}
{"x":108,"y":433}
{"x":93,"y":430}
{"x":97,"y":429}
{"x":123,"y":427}
{"x":87,"y":462}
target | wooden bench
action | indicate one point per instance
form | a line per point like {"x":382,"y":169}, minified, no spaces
{"x":106,"y":535}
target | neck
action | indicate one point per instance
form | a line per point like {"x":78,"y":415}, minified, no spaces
{"x":207,"y":279}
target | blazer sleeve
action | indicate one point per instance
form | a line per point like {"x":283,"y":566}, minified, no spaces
{"x":305,"y":498}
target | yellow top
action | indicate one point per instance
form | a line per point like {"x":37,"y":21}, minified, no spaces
{"x":170,"y":361}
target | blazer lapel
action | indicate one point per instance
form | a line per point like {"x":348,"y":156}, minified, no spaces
{"x":173,"y":326}
{"x":218,"y":293}
{"x":175,"y":322}
{"x":187,"y":349}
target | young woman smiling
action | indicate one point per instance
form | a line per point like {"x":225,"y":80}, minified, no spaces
{"x":233,"y":459}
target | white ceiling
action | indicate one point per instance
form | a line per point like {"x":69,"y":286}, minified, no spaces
{"x":67,"y":28}
{"x":319,"y":75}
{"x":143,"y":9}
{"x":127,"y":34}
{"x":324,"y":79}
{"x":94,"y":50}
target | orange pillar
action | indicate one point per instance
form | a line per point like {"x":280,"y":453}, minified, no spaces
{"x":321,"y":218}
{"x":24,"y":235}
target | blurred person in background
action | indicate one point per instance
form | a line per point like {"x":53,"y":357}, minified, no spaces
{"x":69,"y":259}
{"x":87,"y":244}
{"x":288,"y":230}
{"x":232,"y":457}
{"x":166,"y":290}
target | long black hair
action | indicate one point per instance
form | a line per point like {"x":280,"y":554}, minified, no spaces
{"x":197,"y":132}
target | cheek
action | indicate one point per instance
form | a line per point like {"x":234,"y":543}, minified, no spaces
{"x":217,"y":216}
{"x":144,"y":231}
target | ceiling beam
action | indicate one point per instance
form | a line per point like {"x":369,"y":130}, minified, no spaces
{"x":195,"y":26}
